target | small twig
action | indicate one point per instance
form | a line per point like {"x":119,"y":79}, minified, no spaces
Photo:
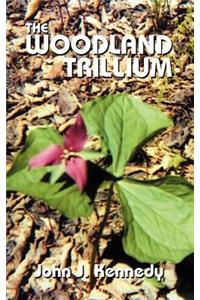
{"x":61,"y":16}
{"x":67,"y":8}
{"x":168,"y":7}
{"x":99,"y":234}
{"x":79,"y":1}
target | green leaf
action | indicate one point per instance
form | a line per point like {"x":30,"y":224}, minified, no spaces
{"x":67,"y":199}
{"x":37,"y":140}
{"x":176,"y":160}
{"x":154,"y":282}
{"x":42,"y":183}
{"x":158,"y":216}
{"x":91,"y":155}
{"x":124,"y":124}
{"x":94,"y":113}
{"x":56,"y":171}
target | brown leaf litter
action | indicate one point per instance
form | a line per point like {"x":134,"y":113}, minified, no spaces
{"x":39,"y":93}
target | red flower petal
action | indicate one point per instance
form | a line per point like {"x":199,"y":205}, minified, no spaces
{"x":76,"y":168}
{"x":76,"y":135}
{"x":49,"y":156}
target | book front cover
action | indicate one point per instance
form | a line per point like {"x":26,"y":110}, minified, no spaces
{"x":100,"y":149}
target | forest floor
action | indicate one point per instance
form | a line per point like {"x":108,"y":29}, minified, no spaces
{"x":39,"y":93}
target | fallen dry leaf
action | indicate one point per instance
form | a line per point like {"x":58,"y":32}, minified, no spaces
{"x":58,"y":257}
{"x":177,"y":137}
{"x":94,"y":3}
{"x":42,"y":111}
{"x":32,"y":8}
{"x":25,"y":229}
{"x":36,"y":63}
{"x":55,"y":70}
{"x":97,"y":294}
{"x":67,"y":101}
{"x":189,"y":149}
{"x":122,"y":26}
{"x":123,"y":286}
{"x":35,"y":89}
{"x":170,"y":276}
{"x":94,"y":22}
{"x":174,"y":296}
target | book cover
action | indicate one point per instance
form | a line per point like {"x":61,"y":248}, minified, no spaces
{"x":100,"y":142}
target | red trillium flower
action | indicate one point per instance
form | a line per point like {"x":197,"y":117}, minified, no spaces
{"x":74,"y":141}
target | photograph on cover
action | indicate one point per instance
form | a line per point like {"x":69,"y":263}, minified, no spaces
{"x":100,"y":149}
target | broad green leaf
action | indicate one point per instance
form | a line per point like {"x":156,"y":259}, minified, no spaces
{"x":56,"y":171}
{"x":124,"y":123}
{"x":94,"y":113}
{"x":44,"y":183}
{"x":67,"y":199}
{"x":37,"y":140}
{"x":158,"y":217}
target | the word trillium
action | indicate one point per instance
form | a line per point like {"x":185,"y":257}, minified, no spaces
{"x":74,"y":140}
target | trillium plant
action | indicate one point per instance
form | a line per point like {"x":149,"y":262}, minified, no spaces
{"x":67,"y":171}
{"x":75,"y":166}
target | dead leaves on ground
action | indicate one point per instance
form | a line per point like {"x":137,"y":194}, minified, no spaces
{"x":54,"y":70}
{"x":32,"y":8}
{"x":39,"y":93}
{"x":45,"y":239}
{"x":67,"y":102}
{"x":48,"y":239}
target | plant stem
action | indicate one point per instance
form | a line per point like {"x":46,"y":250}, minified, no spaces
{"x":99,"y":234}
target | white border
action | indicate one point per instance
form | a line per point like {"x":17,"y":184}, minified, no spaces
{"x":196,"y":152}
{"x":3,"y":150}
